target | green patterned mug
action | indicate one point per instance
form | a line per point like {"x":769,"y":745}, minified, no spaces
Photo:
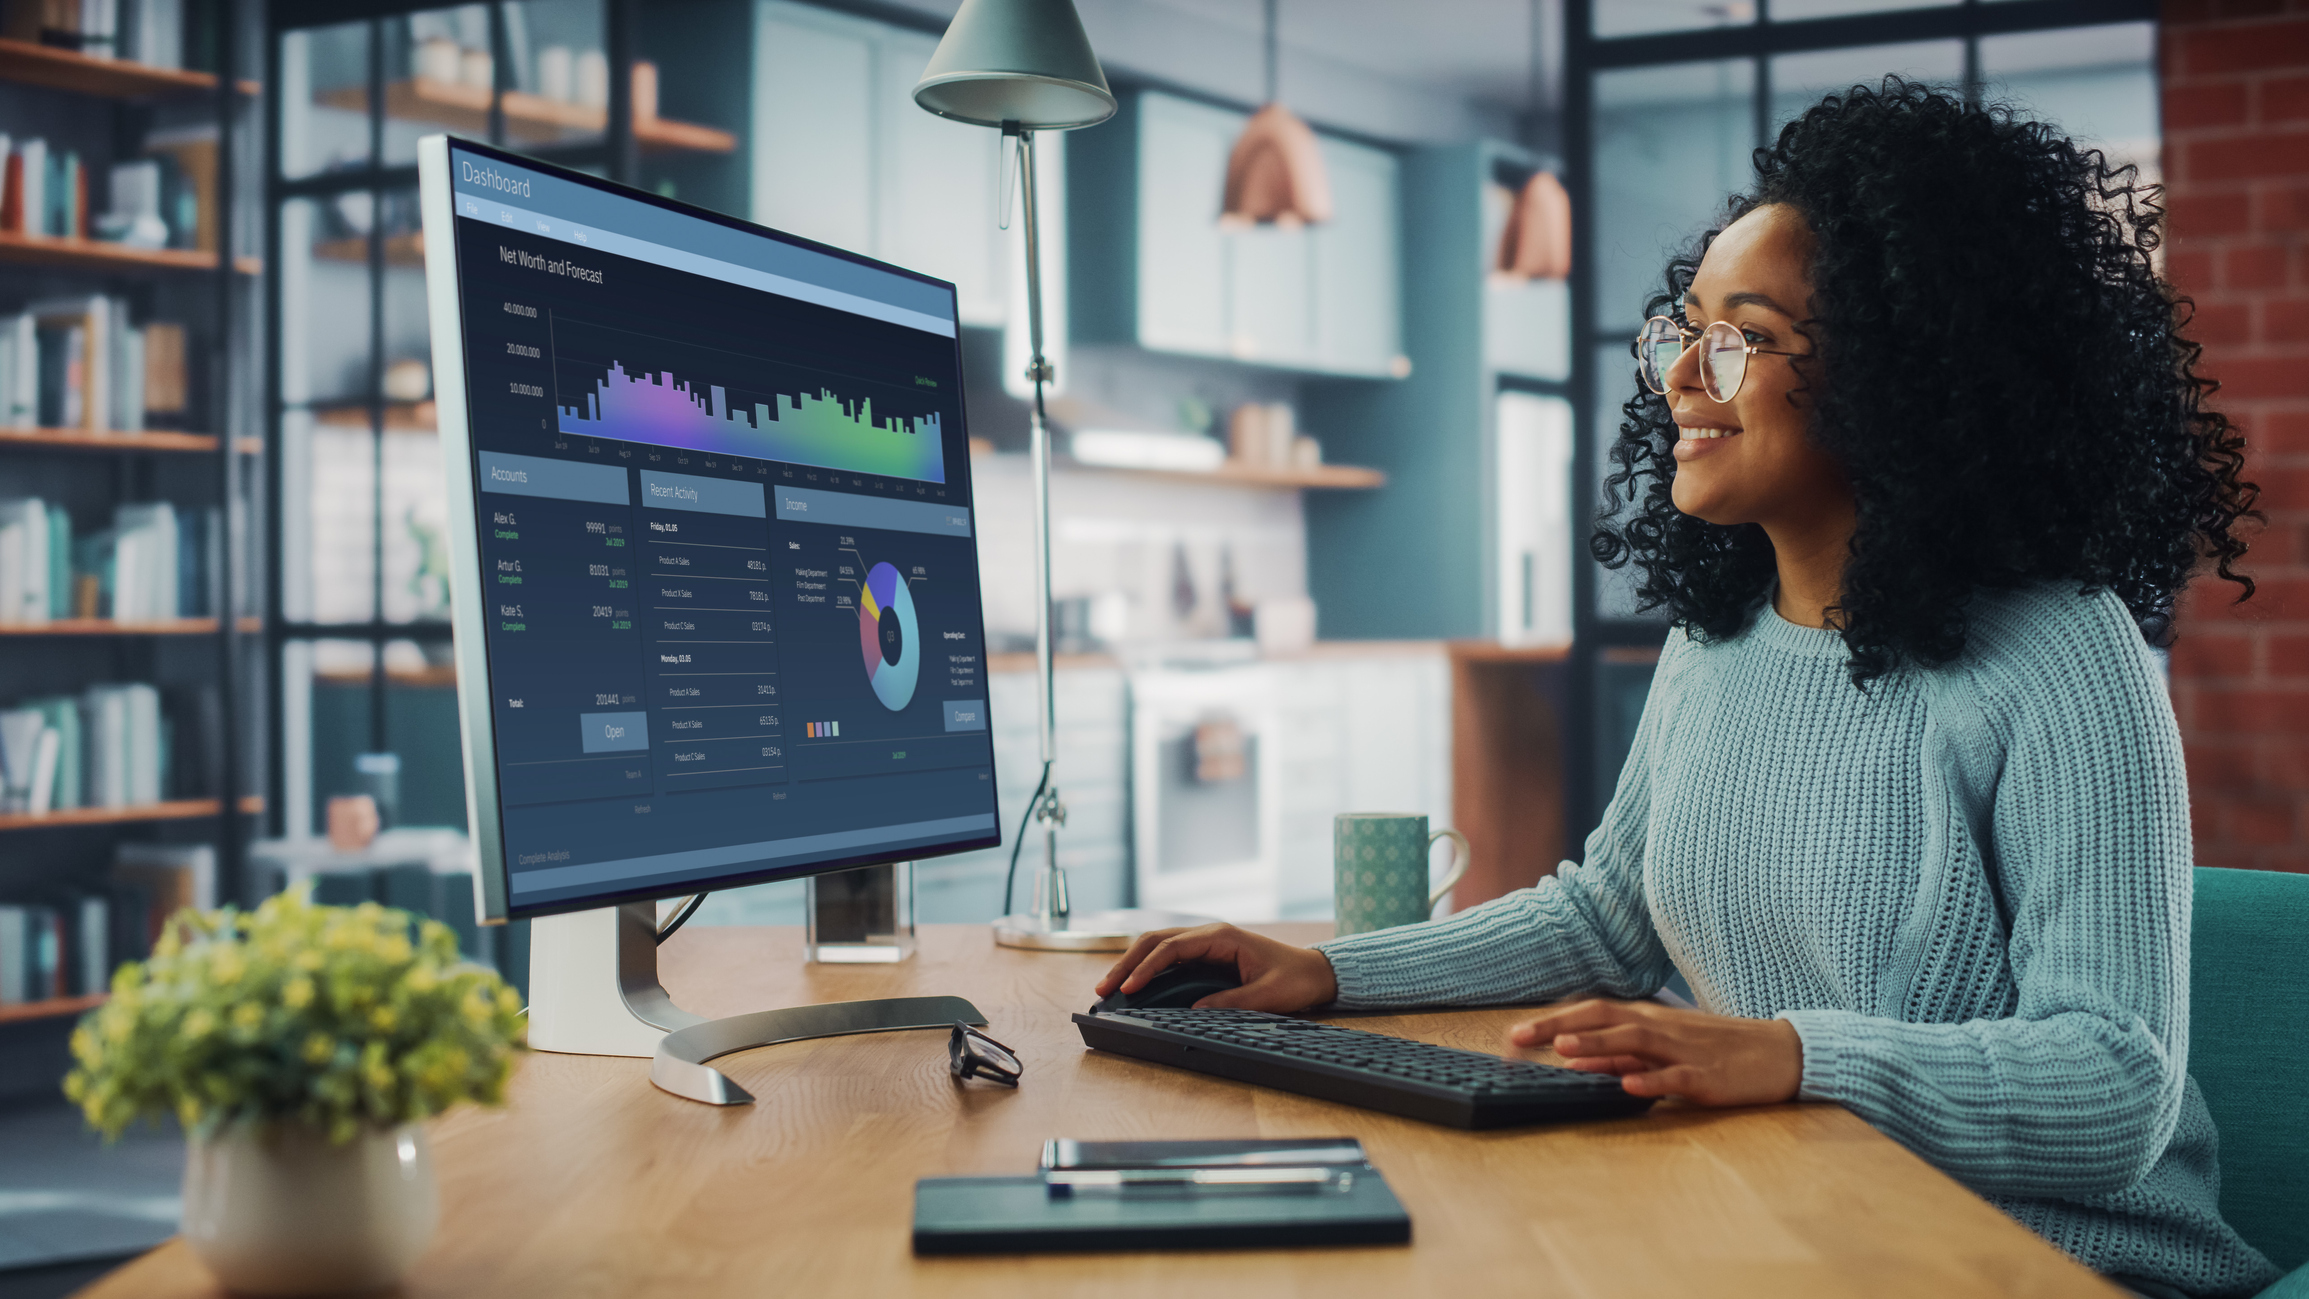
{"x":1380,"y":860}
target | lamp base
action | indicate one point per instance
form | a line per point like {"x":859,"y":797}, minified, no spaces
{"x":1088,"y":931}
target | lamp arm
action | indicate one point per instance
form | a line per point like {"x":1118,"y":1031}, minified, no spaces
{"x":1038,"y":371}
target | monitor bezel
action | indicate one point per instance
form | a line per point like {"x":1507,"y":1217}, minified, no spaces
{"x":492,"y":884}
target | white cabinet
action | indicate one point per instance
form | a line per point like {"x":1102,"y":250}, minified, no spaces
{"x":1358,"y":299}
{"x":843,"y":155}
{"x":1325,"y":298}
{"x":1183,"y":298}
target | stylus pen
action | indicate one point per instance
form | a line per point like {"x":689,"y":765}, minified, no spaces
{"x":1116,"y":1181}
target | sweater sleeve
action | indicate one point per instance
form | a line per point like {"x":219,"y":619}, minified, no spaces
{"x":2078,"y":1092}
{"x":1585,"y":928}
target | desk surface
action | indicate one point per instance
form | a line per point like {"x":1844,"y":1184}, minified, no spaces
{"x":594,"y":1182}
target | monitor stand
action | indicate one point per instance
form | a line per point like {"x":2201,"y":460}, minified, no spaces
{"x":593,"y":990}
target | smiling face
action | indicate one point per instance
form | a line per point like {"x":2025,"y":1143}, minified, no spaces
{"x":1749,"y":460}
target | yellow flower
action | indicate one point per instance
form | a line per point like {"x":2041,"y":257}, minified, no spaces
{"x":308,"y":960}
{"x":395,"y":949}
{"x":199,"y":1023}
{"x":421,"y":979}
{"x":319,"y":1047}
{"x":247,"y":1015}
{"x":298,"y":993}
{"x":228,"y":965}
{"x":508,"y":1001}
{"x":383,"y":1018}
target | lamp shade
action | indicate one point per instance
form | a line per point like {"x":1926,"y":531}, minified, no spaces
{"x":1023,"y":61}
{"x":1536,"y":243}
{"x":1275,"y":174}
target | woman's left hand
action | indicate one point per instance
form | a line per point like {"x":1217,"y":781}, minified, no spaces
{"x":1659,"y":1050}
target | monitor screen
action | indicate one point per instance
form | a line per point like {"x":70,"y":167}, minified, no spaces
{"x":714,"y":562}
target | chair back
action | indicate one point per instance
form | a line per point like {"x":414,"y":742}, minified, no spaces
{"x":2249,"y":1049}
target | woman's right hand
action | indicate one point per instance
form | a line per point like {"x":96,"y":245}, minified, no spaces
{"x":1276,"y":976}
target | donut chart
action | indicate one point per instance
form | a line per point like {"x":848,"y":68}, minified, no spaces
{"x":888,"y":636}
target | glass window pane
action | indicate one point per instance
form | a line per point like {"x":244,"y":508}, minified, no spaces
{"x":557,"y":83}
{"x":1641,"y":17}
{"x":421,"y":726}
{"x":439,"y":75}
{"x":324,"y":283}
{"x":2098,"y":83}
{"x":1671,"y":143}
{"x":1802,"y":80}
{"x":325,"y":720}
{"x":416,"y":528}
{"x":1797,"y":10}
{"x":328,"y":516}
{"x":324,"y":100}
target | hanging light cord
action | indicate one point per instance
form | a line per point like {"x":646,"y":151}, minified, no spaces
{"x":1273,"y":53}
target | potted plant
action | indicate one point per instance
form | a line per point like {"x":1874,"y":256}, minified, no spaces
{"x":300,"y":1046}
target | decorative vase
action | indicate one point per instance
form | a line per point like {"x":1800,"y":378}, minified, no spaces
{"x":278,"y":1210}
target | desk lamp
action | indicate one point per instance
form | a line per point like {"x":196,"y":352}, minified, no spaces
{"x":1023,"y":66}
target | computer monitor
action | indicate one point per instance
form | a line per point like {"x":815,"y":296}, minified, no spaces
{"x":713,"y":560}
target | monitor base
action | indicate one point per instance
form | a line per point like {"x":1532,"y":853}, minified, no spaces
{"x":593,"y":990}
{"x":1088,"y":931}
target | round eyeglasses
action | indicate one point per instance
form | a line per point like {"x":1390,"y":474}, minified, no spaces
{"x":1724,"y":354}
{"x":972,"y":1054}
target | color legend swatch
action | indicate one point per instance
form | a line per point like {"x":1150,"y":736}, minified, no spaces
{"x":823,"y":429}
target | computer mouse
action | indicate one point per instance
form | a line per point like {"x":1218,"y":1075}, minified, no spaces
{"x":1178,"y":987}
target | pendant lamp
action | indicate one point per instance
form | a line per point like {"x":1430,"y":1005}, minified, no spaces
{"x":1536,"y":244}
{"x":1275,"y":175}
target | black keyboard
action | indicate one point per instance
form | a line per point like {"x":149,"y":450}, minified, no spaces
{"x":1463,"y":1089}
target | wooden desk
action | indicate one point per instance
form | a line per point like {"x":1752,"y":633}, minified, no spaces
{"x":594,"y":1183}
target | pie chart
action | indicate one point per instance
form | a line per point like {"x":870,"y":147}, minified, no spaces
{"x":888,"y":636}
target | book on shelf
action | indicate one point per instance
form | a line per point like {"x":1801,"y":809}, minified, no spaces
{"x":89,"y":368}
{"x":30,"y":750}
{"x":156,"y":563}
{"x":26,"y":570}
{"x":158,"y":201}
{"x":59,"y":949}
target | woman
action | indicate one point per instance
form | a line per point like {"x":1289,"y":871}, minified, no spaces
{"x":1907,"y":805}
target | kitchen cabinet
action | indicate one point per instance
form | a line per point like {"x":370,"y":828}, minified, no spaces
{"x":843,"y":155}
{"x":1152,"y":265}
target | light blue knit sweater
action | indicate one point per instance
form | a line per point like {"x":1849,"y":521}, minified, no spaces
{"x":1968,"y":889}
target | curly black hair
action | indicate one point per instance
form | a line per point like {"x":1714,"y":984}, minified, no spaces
{"x":1997,"y":369}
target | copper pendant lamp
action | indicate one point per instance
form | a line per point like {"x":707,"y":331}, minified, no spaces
{"x":1275,"y":175}
{"x":1536,"y":244}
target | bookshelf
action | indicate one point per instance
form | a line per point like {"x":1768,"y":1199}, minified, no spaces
{"x":29,"y":64}
{"x":149,"y":706}
{"x":175,"y":809}
{"x":112,"y":627}
{"x":109,"y":258}
{"x":529,"y":119}
{"x":51,"y":1008}
{"x":72,"y":439}
{"x":1232,"y":474}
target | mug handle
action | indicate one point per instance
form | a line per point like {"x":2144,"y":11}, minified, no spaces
{"x":1458,"y":865}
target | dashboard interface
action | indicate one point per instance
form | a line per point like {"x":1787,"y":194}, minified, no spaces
{"x":727,"y":559}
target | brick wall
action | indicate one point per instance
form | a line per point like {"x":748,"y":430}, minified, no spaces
{"x":2236,"y":163}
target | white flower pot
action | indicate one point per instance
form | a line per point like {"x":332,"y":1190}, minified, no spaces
{"x":277,"y":1210}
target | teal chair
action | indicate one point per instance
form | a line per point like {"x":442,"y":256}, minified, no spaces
{"x":2249,"y":1051}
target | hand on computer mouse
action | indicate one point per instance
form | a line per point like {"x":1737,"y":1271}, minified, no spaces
{"x":1276,"y":976}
